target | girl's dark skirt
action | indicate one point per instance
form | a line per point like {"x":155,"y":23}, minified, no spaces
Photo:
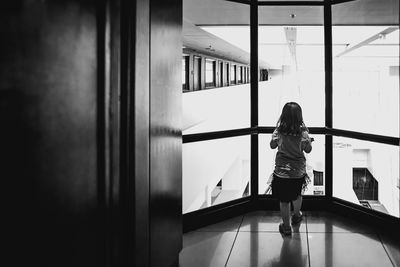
{"x":288,"y":189}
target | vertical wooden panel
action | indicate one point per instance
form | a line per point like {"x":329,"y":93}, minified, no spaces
{"x":62,"y":79}
{"x":140,"y":149}
{"x":165,"y":132}
{"x":48,"y":113}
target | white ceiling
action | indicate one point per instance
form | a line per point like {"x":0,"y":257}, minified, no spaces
{"x":309,"y":44}
{"x":197,"y":39}
{"x":228,"y":21}
{"x":358,"y":12}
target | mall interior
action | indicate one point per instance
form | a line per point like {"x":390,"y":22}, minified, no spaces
{"x":136,"y":133}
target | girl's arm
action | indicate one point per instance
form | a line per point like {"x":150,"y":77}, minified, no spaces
{"x":275,"y":139}
{"x":306,"y":142}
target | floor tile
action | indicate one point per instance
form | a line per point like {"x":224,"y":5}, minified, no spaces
{"x":202,"y":249}
{"x":347,"y":249}
{"x":230,"y":225}
{"x":269,"y":249}
{"x":324,"y":222}
{"x":392,"y":246}
{"x":266,"y":221}
{"x":258,"y":243}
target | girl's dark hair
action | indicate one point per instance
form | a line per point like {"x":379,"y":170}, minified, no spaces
{"x":291,"y":119}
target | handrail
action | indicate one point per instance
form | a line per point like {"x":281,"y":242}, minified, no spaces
{"x":389,"y":140}
{"x":189,"y":138}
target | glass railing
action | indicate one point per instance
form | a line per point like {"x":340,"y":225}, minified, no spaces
{"x":366,"y":173}
{"x":215,"y":171}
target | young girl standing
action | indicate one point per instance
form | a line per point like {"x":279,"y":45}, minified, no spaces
{"x":290,"y":177}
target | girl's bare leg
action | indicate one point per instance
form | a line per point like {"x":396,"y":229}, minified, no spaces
{"x":285,"y":212}
{"x":297,"y":205}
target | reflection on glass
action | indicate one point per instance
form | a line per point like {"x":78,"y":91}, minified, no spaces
{"x":366,"y":173}
{"x":315,"y":161}
{"x":215,"y":171}
{"x":366,"y":68}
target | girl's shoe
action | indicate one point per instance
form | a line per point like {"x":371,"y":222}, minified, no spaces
{"x":297,"y":218}
{"x":285,"y":230}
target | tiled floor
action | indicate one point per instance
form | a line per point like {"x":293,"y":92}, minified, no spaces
{"x":322,"y":239}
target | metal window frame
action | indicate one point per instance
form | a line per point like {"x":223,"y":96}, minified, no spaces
{"x":231,"y":208}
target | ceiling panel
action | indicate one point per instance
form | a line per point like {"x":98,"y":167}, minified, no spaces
{"x":358,"y":12}
{"x":225,"y":26}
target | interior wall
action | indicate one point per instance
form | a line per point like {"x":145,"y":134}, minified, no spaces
{"x":90,"y":108}
{"x":165,"y":131}
{"x":48,"y":137}
{"x":139,"y":95}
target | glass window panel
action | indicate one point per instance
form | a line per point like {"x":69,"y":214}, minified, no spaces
{"x":216,"y":109}
{"x":221,"y":73}
{"x":366,"y":67}
{"x":196,"y":73}
{"x":215,"y":171}
{"x":291,"y":59}
{"x":217,"y":37}
{"x":315,"y":162}
{"x":185,"y":72}
{"x":210,"y":73}
{"x":233,"y":74}
{"x":228,"y":75}
{"x":366,"y":173}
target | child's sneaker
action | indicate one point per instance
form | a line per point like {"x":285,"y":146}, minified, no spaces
{"x":297,"y":218}
{"x":285,"y":230}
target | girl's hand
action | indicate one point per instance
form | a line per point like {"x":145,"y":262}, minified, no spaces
{"x":275,"y":139}
{"x":304,"y":128}
{"x":306,"y":141}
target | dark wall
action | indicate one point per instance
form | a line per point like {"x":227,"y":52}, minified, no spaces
{"x":165,"y":131}
{"x":141,"y":141}
{"x":48,"y":118}
{"x":90,"y":139}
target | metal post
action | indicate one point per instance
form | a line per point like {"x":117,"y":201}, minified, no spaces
{"x":254,"y":96}
{"x":328,"y":99}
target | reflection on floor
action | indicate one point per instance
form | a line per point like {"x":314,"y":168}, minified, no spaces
{"x":322,"y":239}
